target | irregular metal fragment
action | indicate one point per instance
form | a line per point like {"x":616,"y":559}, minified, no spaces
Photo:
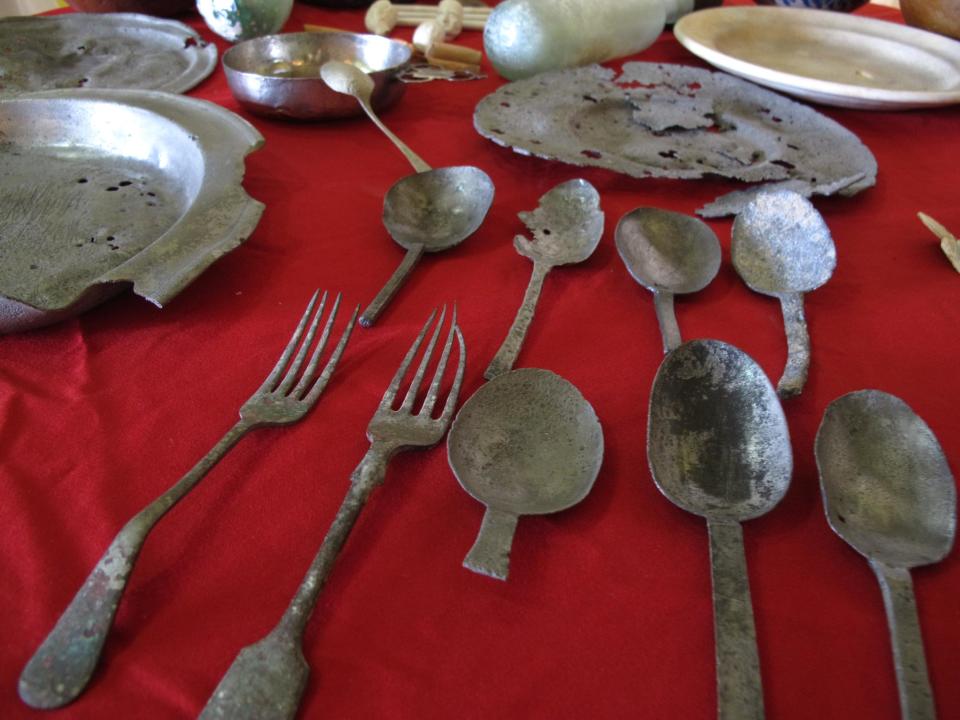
{"x":659,"y":120}
{"x":112,"y":50}
{"x":102,"y":189}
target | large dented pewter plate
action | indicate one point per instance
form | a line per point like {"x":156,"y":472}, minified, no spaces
{"x":673,"y":121}
{"x":101,"y":50}
{"x":103,"y":189}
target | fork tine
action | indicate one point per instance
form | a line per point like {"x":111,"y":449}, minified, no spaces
{"x":391,"y":393}
{"x":331,"y":365}
{"x":451,"y":403}
{"x":307,"y":376}
{"x":427,"y":409}
{"x":271,"y":380}
{"x":294,"y":369}
{"x":411,"y":395}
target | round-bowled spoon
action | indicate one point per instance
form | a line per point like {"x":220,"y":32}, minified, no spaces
{"x":350,"y":80}
{"x":888,"y":492}
{"x":782,"y":247}
{"x":526,"y":443}
{"x":718,"y":446}
{"x":430,"y":211}
{"x":669,"y":254}
{"x":566,"y":226}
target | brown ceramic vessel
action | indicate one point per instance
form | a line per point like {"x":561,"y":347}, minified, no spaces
{"x":939,"y":16}
{"x":163,"y":8}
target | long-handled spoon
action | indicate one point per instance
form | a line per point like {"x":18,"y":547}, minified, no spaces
{"x":566,"y":227}
{"x":718,"y":447}
{"x":669,"y":254}
{"x":430,"y":211}
{"x":888,"y":491}
{"x":782,"y":247}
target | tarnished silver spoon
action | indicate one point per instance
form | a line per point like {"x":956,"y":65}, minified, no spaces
{"x":526,"y":443}
{"x":430,"y":211}
{"x":566,"y":226}
{"x":782,"y":247}
{"x":669,"y":254}
{"x":718,"y":446}
{"x":888,"y":491}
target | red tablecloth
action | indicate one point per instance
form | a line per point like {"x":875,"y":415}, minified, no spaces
{"x":607,"y":612}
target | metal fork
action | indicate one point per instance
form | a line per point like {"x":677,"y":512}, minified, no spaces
{"x":267,"y":678}
{"x":61,"y":667}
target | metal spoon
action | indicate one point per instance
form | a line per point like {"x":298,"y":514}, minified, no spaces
{"x":718,"y":447}
{"x":430,"y":211}
{"x":888,"y":491}
{"x":566,"y":228}
{"x":668,"y":253}
{"x":348,"y":79}
{"x":526,"y":443}
{"x":782,"y":247}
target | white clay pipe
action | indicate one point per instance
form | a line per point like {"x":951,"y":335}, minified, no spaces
{"x":382,"y":16}
{"x":428,"y":39}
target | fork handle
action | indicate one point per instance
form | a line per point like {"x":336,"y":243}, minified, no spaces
{"x":507,"y":354}
{"x":61,"y":667}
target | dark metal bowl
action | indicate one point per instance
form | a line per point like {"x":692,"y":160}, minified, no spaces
{"x":279,"y":75}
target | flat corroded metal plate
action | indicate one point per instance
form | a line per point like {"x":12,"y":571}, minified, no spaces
{"x":673,"y":121}
{"x":101,"y":189}
{"x":101,"y":50}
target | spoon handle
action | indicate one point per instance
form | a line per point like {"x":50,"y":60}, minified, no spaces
{"x":913,"y":685}
{"x":418,"y":164}
{"x":507,"y":354}
{"x":267,"y":679}
{"x":798,"y":346}
{"x":61,"y":667}
{"x":669,"y":330}
{"x":376,"y":306}
{"x":739,"y":690}
{"x":490,"y":554}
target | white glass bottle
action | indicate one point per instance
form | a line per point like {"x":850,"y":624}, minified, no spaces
{"x":524,"y":37}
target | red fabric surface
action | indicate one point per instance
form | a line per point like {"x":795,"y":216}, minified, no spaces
{"x":607,"y":612}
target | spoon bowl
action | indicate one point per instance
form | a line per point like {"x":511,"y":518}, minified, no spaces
{"x":718,"y":446}
{"x":669,"y":254}
{"x":782,"y":247}
{"x":526,"y":443}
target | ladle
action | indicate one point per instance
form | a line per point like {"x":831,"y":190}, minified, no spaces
{"x":888,"y":492}
{"x":566,"y":228}
{"x":526,"y":443}
{"x":669,"y":254}
{"x":718,"y":446}
{"x":430,"y":211}
{"x":782,"y":247}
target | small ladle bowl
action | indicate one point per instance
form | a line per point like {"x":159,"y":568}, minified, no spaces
{"x":889,"y":493}
{"x":429,"y":211}
{"x":669,"y":254}
{"x":782,"y":247}
{"x":718,"y":446}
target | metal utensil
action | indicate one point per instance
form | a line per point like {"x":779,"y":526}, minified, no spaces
{"x":718,"y":447}
{"x":61,"y":667}
{"x":267,"y":679}
{"x":279,"y":75}
{"x":782,"y":248}
{"x":566,"y":228}
{"x":668,"y":253}
{"x":350,"y":80}
{"x":888,"y":491}
{"x":526,"y":443}
{"x":430,"y":211}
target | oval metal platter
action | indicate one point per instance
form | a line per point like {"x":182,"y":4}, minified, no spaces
{"x":101,"y":50}
{"x":103,"y":189}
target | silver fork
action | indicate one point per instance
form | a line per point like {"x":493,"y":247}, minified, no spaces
{"x":61,"y":667}
{"x":267,"y":678}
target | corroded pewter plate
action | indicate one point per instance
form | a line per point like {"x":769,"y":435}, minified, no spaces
{"x":103,"y":189}
{"x":101,"y":50}
{"x":674,"y":121}
{"x":830,"y":58}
